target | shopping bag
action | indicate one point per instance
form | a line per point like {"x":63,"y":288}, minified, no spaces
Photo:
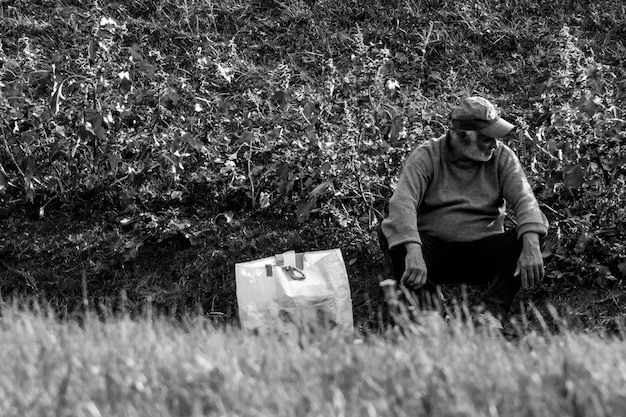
{"x":292,"y":288}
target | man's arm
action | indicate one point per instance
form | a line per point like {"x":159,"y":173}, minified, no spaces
{"x":415,"y":272}
{"x":517,"y":191}
{"x":530,"y":263}
{"x":532,"y":224}
{"x":400,"y":226}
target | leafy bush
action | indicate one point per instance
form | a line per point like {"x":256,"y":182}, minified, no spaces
{"x":306,"y":108}
{"x":581,"y":166}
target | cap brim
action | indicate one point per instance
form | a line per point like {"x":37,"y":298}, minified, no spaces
{"x":497,"y":129}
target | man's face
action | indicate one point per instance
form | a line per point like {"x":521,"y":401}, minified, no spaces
{"x":472,"y":146}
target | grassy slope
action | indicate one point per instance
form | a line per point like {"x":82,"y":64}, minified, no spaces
{"x":443,"y":51}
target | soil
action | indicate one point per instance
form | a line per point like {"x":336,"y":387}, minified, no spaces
{"x":70,"y":261}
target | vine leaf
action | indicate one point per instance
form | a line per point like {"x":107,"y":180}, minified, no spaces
{"x":320,"y":189}
{"x":308,"y":109}
{"x":573,"y":176}
{"x":125,"y":82}
{"x":92,"y":49}
{"x":57,"y":96}
{"x":225,"y":72}
{"x":304,"y":209}
{"x":4,"y":182}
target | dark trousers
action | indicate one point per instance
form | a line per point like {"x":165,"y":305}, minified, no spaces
{"x":489,"y":261}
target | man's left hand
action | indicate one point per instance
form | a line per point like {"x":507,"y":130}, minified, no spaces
{"x":530,"y":263}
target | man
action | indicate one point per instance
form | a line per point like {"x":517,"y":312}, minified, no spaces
{"x":446,"y":216}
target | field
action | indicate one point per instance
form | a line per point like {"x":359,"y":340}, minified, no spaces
{"x":146,"y":146}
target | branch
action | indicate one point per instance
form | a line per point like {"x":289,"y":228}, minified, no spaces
{"x":6,"y":145}
{"x":252,"y":193}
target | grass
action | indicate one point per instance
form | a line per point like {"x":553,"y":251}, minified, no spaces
{"x":157,"y":367}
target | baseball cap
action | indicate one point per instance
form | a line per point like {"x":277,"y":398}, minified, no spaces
{"x":477,"y":113}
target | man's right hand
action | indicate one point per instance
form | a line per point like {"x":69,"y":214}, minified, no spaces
{"x":414,"y":276}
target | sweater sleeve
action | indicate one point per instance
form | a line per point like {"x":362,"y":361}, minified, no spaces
{"x":517,"y":191}
{"x":401,"y":225}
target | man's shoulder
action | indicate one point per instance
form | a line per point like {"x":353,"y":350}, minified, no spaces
{"x":504,"y":153}
{"x":504,"y":147}
{"x":430,"y":148}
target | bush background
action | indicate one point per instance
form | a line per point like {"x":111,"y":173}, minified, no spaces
{"x":147,"y":146}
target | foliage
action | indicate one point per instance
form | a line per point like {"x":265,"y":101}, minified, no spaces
{"x":583,"y":139}
{"x":152,"y":110}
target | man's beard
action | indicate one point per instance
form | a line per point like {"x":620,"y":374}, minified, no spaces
{"x":471,"y":151}
{"x":475,"y":154}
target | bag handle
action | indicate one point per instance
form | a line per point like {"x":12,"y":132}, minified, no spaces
{"x":290,"y":258}
{"x":294,"y":271}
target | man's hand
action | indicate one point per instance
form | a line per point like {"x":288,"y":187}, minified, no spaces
{"x":414,"y":267}
{"x":530,"y":263}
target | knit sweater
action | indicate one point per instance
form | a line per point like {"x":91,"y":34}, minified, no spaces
{"x":459,"y":201}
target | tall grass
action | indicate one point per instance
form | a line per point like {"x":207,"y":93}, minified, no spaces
{"x":154,"y":367}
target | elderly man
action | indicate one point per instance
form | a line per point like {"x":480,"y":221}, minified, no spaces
{"x":446,"y":216}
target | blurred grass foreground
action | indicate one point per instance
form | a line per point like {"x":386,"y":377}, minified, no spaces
{"x":160,"y":367}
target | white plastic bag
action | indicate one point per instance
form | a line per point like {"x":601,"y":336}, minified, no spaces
{"x":294,"y":288}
